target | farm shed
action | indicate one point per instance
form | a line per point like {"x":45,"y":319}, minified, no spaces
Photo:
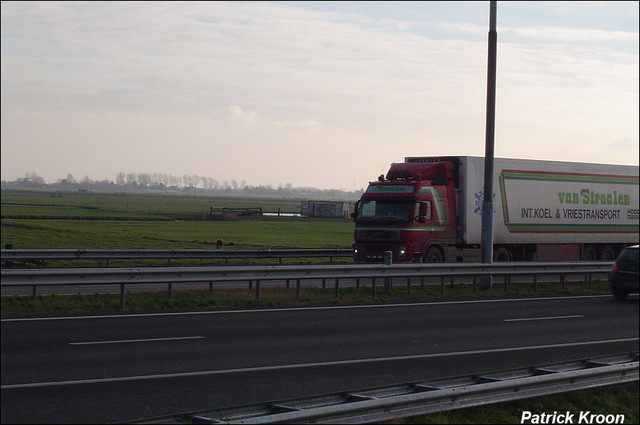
{"x":325,"y":209}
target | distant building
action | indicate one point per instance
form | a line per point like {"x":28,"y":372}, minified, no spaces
{"x":325,"y":209}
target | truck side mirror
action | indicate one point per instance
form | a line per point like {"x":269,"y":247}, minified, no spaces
{"x":354,"y":214}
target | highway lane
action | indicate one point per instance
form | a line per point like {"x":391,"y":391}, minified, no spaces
{"x":120,"y":367}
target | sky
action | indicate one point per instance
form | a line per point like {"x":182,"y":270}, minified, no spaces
{"x":311,"y":94}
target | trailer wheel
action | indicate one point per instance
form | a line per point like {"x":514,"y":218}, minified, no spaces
{"x":433,"y":255}
{"x":608,"y":253}
{"x":589,"y":253}
{"x":501,"y":255}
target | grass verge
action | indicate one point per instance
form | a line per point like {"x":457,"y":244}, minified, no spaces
{"x":191,"y":299}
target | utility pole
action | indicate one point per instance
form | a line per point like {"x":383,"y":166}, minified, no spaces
{"x":486,"y":238}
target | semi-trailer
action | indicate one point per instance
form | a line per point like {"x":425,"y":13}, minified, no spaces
{"x":428,"y":209}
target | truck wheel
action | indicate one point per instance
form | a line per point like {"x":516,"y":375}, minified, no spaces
{"x":608,"y":253}
{"x":433,"y":255}
{"x":589,"y":253}
{"x":502,"y":255}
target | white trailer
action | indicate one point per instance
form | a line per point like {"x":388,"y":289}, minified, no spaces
{"x":548,"y":208}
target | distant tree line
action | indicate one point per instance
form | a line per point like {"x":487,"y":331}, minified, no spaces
{"x":166,"y":183}
{"x":168,"y":180}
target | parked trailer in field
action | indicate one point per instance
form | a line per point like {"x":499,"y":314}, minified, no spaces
{"x":429,"y":209}
{"x":325,"y":209}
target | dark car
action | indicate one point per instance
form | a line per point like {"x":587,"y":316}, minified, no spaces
{"x":623,"y":276}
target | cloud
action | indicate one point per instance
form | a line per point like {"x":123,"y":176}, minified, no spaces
{"x":293,"y":92}
{"x":235,"y":112}
{"x":563,"y":35}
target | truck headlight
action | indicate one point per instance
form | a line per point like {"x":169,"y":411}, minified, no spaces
{"x":402,"y":253}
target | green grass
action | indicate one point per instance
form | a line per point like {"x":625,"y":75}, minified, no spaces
{"x":93,"y":205}
{"x":108,"y":221}
{"x":219,"y":298}
{"x":254,"y":233}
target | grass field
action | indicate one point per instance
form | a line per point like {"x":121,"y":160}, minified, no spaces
{"x":254,"y":233}
{"x":32,"y":220}
{"x":122,"y":206}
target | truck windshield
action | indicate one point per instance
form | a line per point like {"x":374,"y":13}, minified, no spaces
{"x":387,"y":210}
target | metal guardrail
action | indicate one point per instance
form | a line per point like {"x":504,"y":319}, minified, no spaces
{"x":40,"y":256}
{"x":147,"y":275}
{"x":419,"y":398}
{"x":390,"y":274}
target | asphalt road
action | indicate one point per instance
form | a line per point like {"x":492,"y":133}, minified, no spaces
{"x":98,"y":369}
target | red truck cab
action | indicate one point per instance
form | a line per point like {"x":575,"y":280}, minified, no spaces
{"x":410,"y":212}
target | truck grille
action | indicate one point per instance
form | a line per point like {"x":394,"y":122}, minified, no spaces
{"x":379,"y":234}
{"x":377,"y":248}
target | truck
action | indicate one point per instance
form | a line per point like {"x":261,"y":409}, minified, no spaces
{"x":429,"y":209}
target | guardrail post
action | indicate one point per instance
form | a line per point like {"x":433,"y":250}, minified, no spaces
{"x":297,"y":289}
{"x":33,"y":292}
{"x":387,"y":280}
{"x":122,"y":296}
{"x":442,"y":287}
{"x":337,"y":290}
{"x":535,"y":283}
{"x":562,"y":280}
{"x":169,"y":287}
{"x":258,"y":290}
{"x":409,"y":285}
{"x":373,"y":287}
{"x":210,"y":288}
